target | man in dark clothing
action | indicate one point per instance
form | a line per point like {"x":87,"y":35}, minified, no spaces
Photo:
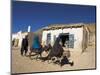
{"x":24,"y":45}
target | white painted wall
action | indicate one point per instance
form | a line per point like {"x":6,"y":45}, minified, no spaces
{"x":53,"y":32}
{"x":78,"y":36}
{"x":14,"y":36}
{"x":19,"y":36}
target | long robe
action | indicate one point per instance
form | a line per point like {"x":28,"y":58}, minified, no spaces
{"x":36,"y":43}
{"x":57,"y":49}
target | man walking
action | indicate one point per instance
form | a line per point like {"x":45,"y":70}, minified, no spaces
{"x":24,"y":47}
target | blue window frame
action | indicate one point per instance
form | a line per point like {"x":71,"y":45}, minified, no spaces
{"x":71,"y":41}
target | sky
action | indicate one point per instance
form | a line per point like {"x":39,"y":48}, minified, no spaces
{"x":39,"y":15}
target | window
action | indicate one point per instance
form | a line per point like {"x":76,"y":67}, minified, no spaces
{"x":71,"y":41}
{"x":67,"y":40}
{"x":48,"y":38}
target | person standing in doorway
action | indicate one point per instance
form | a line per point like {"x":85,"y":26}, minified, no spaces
{"x":24,"y":47}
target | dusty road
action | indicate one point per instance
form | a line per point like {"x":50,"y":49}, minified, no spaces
{"x":22,"y":64}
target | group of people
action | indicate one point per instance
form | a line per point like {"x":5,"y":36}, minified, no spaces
{"x":56,"y":51}
{"x":35,"y":44}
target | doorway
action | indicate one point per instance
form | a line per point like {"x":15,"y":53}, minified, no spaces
{"x":67,"y":40}
{"x":64,"y":37}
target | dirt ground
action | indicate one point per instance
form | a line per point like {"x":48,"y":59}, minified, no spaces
{"x":22,"y":64}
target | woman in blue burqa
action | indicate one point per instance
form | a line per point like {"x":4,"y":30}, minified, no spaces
{"x":36,"y":43}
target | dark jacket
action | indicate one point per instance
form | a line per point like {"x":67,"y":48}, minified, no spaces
{"x":25,"y":42}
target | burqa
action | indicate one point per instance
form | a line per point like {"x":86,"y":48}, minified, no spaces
{"x":24,"y":47}
{"x":57,"y":49}
{"x":36,"y":43}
